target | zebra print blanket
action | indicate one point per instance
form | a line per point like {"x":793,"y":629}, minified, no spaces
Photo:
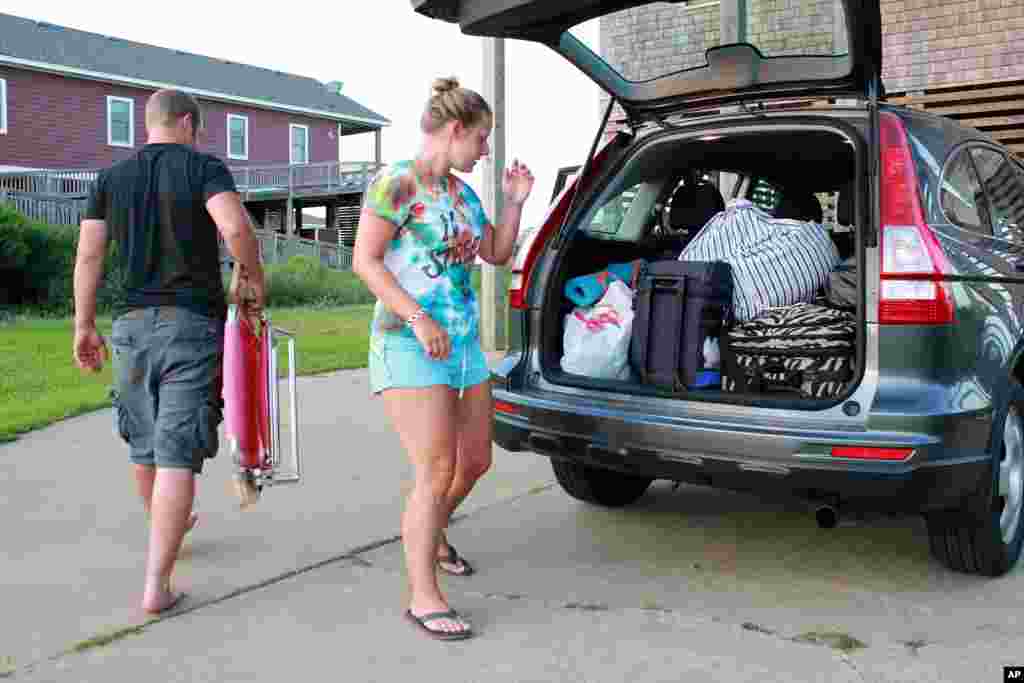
{"x":805,"y":349}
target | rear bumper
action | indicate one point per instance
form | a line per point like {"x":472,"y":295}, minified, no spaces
{"x":786,"y":461}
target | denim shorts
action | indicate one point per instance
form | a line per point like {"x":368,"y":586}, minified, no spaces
{"x":167,"y":385}
{"x":401,"y":363}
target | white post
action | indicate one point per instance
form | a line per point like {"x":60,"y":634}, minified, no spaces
{"x":733,"y":21}
{"x":492,"y":291}
{"x":290,"y":208}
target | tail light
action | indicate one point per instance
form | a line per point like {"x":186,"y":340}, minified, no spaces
{"x":869,"y":453}
{"x":526,"y":258}
{"x":531,"y":248}
{"x":913,"y":265}
{"x":505,"y":407}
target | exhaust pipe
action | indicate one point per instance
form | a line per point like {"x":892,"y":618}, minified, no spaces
{"x":826,"y":516}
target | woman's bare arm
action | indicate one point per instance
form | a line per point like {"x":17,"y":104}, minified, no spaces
{"x":372,"y":238}
{"x":500,"y":241}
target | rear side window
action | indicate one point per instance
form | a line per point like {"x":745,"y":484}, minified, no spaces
{"x":961,"y":195}
{"x":931,"y":141}
{"x":1003,"y":185}
{"x":608,"y":219}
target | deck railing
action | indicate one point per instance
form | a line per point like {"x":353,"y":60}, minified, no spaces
{"x":276,"y":248}
{"x":51,"y":182}
{"x":289,"y":179}
{"x":58,"y":196}
{"x":52,"y":209}
{"x":304,"y":179}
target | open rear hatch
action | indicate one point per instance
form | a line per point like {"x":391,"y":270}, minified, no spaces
{"x":660,"y":60}
{"x":717,"y":51}
{"x":802,"y":169}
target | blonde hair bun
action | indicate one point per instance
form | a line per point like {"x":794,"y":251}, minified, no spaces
{"x":443,"y":85}
{"x":451,"y":102}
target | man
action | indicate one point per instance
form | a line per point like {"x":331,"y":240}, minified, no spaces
{"x":163,"y":208}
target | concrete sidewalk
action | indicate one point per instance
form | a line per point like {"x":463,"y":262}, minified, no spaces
{"x":74,"y":534}
{"x":342,"y":620}
{"x":690,"y":584}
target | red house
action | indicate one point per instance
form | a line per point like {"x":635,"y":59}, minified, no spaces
{"x":73,"y":102}
{"x":73,"y":99}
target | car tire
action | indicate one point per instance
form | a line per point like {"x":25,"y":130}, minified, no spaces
{"x":596,"y":485}
{"x":985,"y":536}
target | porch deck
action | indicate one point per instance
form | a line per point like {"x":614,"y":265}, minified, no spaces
{"x":277,"y":181}
{"x":282,"y":181}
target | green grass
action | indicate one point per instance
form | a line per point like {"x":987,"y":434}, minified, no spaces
{"x":833,"y":639}
{"x":326,"y":338}
{"x":105,"y":639}
{"x":40,"y":385}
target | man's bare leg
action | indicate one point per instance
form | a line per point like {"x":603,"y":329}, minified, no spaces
{"x":171,"y":506}
{"x":144,"y":475}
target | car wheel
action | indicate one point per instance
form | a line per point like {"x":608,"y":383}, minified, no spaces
{"x":596,"y":485}
{"x":989,"y":542}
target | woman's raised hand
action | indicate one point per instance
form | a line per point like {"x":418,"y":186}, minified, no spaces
{"x":517,"y":183}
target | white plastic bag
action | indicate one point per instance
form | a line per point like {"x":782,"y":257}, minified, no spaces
{"x":596,"y":338}
{"x":712,"y":353}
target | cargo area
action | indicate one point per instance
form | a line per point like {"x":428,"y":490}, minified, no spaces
{"x":779,"y":203}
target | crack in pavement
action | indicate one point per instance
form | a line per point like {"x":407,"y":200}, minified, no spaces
{"x":351,"y":556}
{"x":846,"y":659}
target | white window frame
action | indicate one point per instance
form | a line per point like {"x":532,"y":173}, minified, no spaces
{"x":245,"y":120}
{"x":3,"y":106}
{"x":131,"y":121}
{"x":291,"y":145}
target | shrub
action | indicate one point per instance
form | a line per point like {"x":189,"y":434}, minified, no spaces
{"x":302,"y":281}
{"x":37,"y":263}
{"x":14,"y":252}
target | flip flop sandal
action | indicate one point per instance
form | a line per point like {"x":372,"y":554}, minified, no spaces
{"x":421,"y":623}
{"x":455,"y":559}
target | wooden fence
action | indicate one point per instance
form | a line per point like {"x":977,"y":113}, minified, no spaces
{"x":74,"y":183}
{"x":994,"y":107}
{"x":52,"y":209}
{"x":276,"y":249}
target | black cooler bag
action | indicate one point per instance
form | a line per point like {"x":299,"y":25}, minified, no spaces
{"x":805,"y":350}
{"x":677,"y":305}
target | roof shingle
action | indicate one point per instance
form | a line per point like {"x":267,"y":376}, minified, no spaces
{"x":26,"y":39}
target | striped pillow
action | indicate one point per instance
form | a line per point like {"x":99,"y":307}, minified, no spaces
{"x":775,"y":262}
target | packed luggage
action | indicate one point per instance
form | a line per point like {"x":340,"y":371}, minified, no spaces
{"x":775,"y":261}
{"x":680,"y":311}
{"x":805,"y":350}
{"x":753,"y":305}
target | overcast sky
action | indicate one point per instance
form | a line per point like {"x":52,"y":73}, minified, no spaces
{"x":384,"y":53}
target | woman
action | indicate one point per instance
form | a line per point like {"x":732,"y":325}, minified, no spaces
{"x":420,"y":231}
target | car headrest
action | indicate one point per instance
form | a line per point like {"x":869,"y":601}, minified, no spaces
{"x":800,"y":206}
{"x":693,"y":205}
{"x":844,"y":205}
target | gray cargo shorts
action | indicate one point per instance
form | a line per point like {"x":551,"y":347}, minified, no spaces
{"x":168,"y":364}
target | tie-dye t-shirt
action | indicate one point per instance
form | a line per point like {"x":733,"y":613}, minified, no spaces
{"x":438,"y":238}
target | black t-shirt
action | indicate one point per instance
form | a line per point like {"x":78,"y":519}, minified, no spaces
{"x":154,"y":205}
